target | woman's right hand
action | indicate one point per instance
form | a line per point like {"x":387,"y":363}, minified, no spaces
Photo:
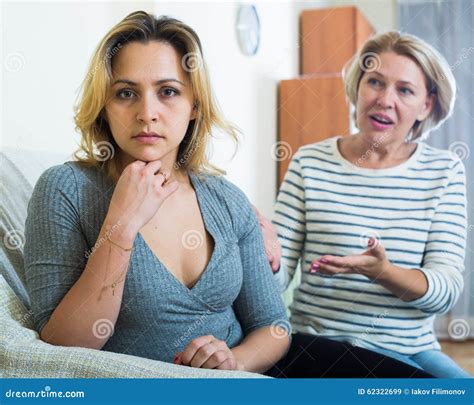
{"x":139,"y":193}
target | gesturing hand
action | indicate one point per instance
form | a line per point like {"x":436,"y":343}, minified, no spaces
{"x":207,"y":352}
{"x":372,"y":263}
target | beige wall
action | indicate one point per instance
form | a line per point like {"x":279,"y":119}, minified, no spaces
{"x":51,"y":44}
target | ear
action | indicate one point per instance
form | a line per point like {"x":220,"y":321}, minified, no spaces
{"x":427,"y":107}
{"x":193,"y":112}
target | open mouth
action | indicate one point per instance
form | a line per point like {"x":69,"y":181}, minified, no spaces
{"x":381,"y":119}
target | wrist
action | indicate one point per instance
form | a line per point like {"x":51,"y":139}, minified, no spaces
{"x":240,"y":366}
{"x":385,"y":272}
{"x":120,"y":232}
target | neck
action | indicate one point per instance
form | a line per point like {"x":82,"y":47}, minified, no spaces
{"x":382,"y":149}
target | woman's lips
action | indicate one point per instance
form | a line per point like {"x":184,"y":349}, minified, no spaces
{"x":378,"y":126}
{"x":147,"y":139}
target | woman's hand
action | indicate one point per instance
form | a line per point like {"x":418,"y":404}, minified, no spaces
{"x":139,"y":193}
{"x":372,"y":263}
{"x":207,"y":352}
{"x":270,"y":240}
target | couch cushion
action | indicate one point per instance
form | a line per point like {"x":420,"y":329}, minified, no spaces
{"x":20,"y":169}
{"x":24,"y":355}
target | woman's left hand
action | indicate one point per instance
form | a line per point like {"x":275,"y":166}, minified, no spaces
{"x":207,"y":352}
{"x":372,"y":263}
{"x":270,"y":240}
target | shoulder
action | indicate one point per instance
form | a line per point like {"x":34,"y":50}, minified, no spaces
{"x":432,"y":158}
{"x":70,"y":178}
{"x":57,"y":177}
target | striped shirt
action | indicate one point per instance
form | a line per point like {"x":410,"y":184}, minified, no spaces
{"x":327,"y":205}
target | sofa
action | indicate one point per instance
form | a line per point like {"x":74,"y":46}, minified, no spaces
{"x":22,"y":353}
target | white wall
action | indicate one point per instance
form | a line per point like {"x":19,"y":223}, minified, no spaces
{"x":47,"y":47}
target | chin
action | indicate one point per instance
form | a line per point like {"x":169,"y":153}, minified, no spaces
{"x":148,"y":155}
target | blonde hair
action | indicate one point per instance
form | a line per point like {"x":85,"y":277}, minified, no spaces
{"x":95,"y":132}
{"x":440,"y":82}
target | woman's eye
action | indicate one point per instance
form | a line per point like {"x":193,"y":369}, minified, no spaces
{"x":169,"y":92}
{"x":125,"y":94}
{"x":373,"y":81}
{"x":405,"y":90}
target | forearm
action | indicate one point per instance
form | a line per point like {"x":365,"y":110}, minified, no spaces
{"x":407,"y":284}
{"x":261,"y":349}
{"x":86,"y":315}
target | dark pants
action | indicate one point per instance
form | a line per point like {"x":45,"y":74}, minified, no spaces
{"x":312,"y":356}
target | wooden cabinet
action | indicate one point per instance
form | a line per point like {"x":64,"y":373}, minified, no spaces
{"x":330,"y":37}
{"x":313,"y":107}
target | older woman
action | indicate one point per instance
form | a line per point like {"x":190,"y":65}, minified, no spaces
{"x":145,"y":248}
{"x":377,"y":220}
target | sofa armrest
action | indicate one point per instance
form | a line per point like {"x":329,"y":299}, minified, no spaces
{"x":24,"y":355}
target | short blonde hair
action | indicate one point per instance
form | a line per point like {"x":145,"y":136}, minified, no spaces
{"x":440,"y":81}
{"x":95,"y":132}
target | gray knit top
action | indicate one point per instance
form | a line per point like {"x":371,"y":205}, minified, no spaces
{"x":159,"y":315}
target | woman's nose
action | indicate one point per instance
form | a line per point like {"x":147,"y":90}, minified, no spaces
{"x":386,"y":98}
{"x":148,"y":111}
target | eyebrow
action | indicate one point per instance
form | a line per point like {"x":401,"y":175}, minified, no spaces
{"x":156,"y":83}
{"x":400,"y":81}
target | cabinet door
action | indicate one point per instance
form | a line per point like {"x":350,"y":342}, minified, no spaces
{"x":310,"y":109}
{"x":330,"y":37}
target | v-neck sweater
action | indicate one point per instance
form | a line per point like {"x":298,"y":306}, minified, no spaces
{"x":159,"y":316}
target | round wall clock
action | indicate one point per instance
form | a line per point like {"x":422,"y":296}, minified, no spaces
{"x":248,"y":29}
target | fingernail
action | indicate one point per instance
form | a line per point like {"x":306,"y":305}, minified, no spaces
{"x":323,"y":260}
{"x":314,"y":268}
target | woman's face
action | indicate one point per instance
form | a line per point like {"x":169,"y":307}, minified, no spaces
{"x":392,"y":97}
{"x":150,"y":92}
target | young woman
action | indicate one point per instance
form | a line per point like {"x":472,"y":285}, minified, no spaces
{"x":385,"y":187}
{"x":144,"y":248}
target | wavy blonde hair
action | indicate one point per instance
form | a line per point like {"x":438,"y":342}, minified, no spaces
{"x":95,"y":132}
{"x":440,"y":81}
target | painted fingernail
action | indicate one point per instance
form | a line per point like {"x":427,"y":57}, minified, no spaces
{"x":323,"y":260}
